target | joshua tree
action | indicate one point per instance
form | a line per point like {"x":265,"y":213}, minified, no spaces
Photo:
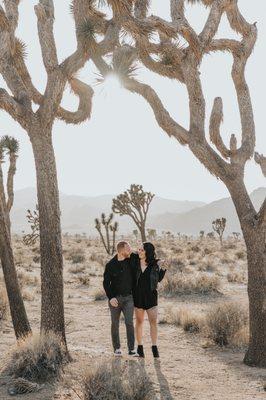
{"x":236,"y":235}
{"x":218,"y":225}
{"x":135,"y":233}
{"x":18,"y":313}
{"x":109,"y":243}
{"x":201,"y":234}
{"x":33,"y":220}
{"x":152,"y":234}
{"x":135,"y":203}
{"x":167,"y":57}
{"x":18,"y":101}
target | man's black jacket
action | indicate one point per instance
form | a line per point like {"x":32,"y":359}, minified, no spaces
{"x":111,"y":279}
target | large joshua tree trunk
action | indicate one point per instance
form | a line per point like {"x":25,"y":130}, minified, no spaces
{"x":52,"y":307}
{"x":17,"y":309}
{"x":254,"y":235}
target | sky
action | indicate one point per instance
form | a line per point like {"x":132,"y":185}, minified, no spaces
{"x":122,"y":143}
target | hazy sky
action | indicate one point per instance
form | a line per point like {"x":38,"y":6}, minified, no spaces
{"x":122,"y":143}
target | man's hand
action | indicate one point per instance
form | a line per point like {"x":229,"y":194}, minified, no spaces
{"x":114,"y":302}
{"x":162,"y":264}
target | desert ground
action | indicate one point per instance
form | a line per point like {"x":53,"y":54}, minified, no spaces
{"x":201,"y":346}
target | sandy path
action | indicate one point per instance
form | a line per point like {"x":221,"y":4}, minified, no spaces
{"x":186,"y":370}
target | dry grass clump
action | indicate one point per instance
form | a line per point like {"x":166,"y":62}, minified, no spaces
{"x":76,"y":256}
{"x":189,"y":320}
{"x":77,"y":269}
{"x":226,"y":324}
{"x":236,"y":277}
{"x":27,"y":279}
{"x":37,"y":358}
{"x":27,"y":296}
{"x":84,"y":279}
{"x":117,"y":381}
{"x":180,"y":284}
{"x":3,"y":304}
{"x":99,"y":295}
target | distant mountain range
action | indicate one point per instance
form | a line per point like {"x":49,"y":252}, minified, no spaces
{"x":188,"y":217}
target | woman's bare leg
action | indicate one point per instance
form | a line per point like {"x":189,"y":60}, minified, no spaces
{"x":139,"y":314}
{"x":153,"y":317}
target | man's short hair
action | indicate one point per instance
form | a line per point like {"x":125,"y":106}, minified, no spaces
{"x":121,"y":245}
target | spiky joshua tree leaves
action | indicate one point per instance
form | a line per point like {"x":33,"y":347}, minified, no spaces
{"x":165,"y":56}
{"x":110,"y":227}
{"x":218,"y":225}
{"x":135,"y":203}
{"x":9,"y":147}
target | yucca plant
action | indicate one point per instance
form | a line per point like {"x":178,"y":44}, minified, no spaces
{"x":109,"y":227}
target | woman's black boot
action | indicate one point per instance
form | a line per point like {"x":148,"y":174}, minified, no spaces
{"x":155,"y":351}
{"x":140,"y":351}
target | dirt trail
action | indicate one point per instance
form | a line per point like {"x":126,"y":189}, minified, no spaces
{"x":186,"y":369}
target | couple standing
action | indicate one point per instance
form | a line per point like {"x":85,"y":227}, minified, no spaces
{"x":130,"y":280}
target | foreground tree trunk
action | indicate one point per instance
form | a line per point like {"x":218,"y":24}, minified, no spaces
{"x":52,"y":305}
{"x":253,"y":229}
{"x":17,"y":309}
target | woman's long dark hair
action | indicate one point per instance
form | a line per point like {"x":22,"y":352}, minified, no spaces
{"x":150,"y":253}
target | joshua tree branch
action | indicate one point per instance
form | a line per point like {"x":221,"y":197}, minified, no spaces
{"x":214,"y":129}
{"x":45,"y":14}
{"x":12,"y":107}
{"x":85,"y":94}
{"x":162,"y":116}
{"x":261,"y":160}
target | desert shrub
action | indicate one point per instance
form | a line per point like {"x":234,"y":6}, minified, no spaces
{"x":84,"y":279}
{"x":207,"y":251}
{"x":241,"y":255}
{"x":180,"y":284}
{"x":27,"y":296}
{"x":189,"y":320}
{"x":77,"y":269}
{"x":176,"y":264}
{"x":195,"y":248}
{"x":3,"y":304}
{"x":99,"y":295}
{"x":37,"y":358}
{"x":224,"y":321}
{"x":207,"y":267}
{"x":76,"y":256}
{"x":113,"y":381}
{"x":36,"y":259}
{"x":236,"y":277}
{"x":26,"y":279}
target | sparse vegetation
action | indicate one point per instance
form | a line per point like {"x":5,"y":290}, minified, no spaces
{"x":225,"y":321}
{"x":181,"y":284}
{"x":110,"y":229}
{"x":126,"y":381}
{"x":36,"y":358}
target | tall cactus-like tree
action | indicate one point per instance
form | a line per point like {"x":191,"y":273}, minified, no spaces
{"x":218,"y":225}
{"x":135,"y":203}
{"x":38,"y":121}
{"x":109,"y":227}
{"x":169,"y":57}
{"x":19,"y":317}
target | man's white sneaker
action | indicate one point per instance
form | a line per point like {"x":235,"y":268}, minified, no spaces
{"x":118,"y":353}
{"x":133,"y":353}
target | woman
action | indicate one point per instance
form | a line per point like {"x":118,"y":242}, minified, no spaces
{"x":145,"y":295}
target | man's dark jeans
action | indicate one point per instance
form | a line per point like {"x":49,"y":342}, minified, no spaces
{"x":126,"y":306}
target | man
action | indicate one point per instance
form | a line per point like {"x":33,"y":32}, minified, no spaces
{"x":118,"y":283}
